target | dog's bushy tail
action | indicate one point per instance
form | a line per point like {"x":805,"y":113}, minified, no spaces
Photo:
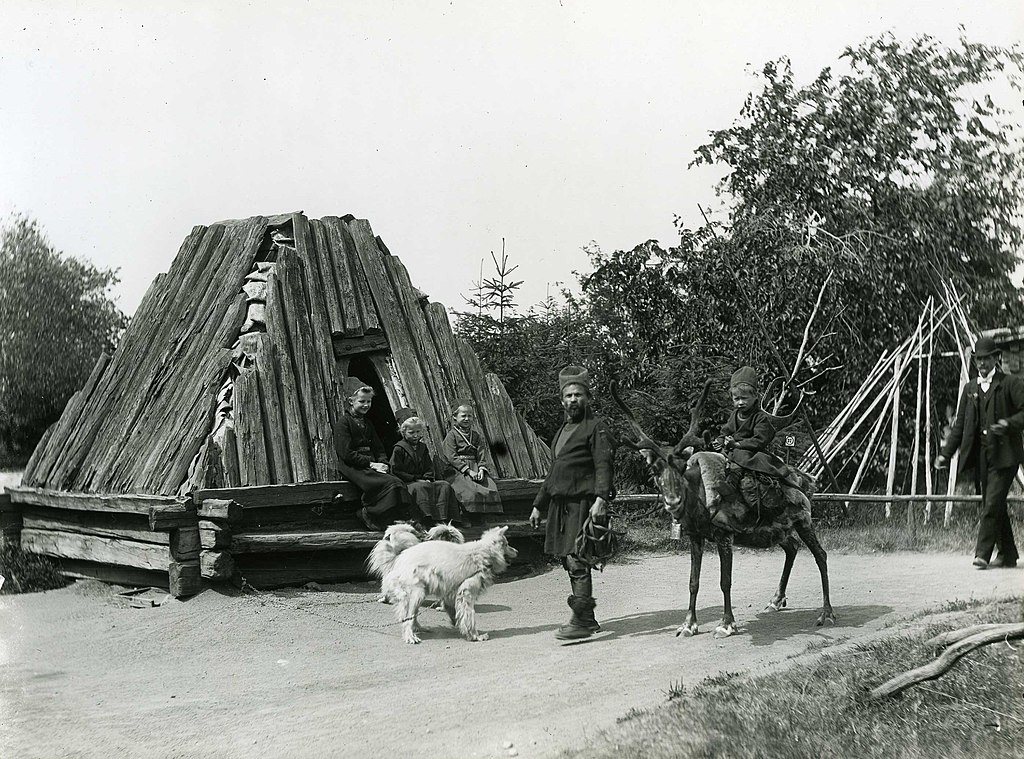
{"x":445,"y":532}
{"x":396,"y":539}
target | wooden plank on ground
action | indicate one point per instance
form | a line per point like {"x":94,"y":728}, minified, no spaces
{"x":291,"y":405}
{"x":104,"y":524}
{"x":281,"y":495}
{"x":70,"y":545}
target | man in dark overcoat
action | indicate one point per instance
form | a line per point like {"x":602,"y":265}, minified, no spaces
{"x":578,"y":484}
{"x":987,"y":432}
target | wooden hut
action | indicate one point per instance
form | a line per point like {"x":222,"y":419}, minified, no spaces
{"x":202,"y":447}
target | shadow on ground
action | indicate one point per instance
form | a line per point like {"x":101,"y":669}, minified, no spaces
{"x":772,"y":626}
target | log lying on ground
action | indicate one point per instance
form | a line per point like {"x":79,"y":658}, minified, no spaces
{"x":937,"y":668}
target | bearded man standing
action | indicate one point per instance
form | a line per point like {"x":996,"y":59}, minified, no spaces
{"x":578,"y":485}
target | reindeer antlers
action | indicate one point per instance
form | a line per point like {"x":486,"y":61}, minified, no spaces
{"x":691,"y":439}
{"x":645,"y":441}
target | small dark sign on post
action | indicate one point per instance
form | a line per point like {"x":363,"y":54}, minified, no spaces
{"x":789,"y":442}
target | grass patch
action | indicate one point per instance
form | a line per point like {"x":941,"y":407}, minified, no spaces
{"x":819,"y":708}
{"x":27,"y":572}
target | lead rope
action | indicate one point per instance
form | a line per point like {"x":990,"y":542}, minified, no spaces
{"x":263,"y":599}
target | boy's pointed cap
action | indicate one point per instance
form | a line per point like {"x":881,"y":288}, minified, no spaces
{"x":745,"y":375}
{"x":405,"y":414}
{"x":352,"y":385}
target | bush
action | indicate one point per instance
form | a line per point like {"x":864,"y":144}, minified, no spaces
{"x":27,"y":572}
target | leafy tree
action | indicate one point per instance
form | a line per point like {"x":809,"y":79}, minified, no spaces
{"x":894,"y":177}
{"x":56,"y":316}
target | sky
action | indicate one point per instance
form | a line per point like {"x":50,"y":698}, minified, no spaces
{"x":450,"y":126}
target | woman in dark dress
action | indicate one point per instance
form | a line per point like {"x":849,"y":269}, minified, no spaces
{"x":361,"y":459}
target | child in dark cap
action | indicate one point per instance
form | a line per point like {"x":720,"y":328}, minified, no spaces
{"x":744,"y":440}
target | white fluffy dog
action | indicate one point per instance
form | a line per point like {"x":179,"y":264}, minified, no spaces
{"x":397,"y":538}
{"x":456,"y":572}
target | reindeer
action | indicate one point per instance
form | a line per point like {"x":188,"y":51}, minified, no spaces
{"x":693,"y":484}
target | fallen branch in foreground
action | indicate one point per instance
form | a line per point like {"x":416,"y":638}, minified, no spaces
{"x":976,"y":637}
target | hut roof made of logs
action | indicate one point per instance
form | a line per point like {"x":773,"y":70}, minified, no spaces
{"x":229,"y":373}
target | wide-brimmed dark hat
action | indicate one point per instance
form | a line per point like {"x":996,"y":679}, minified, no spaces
{"x":986,"y":346}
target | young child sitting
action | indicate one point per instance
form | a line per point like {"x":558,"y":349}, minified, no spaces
{"x":361,"y":460}
{"x":744,"y":441}
{"x":464,"y":454}
{"x":412,"y":464}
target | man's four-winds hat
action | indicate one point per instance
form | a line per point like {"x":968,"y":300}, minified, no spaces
{"x":573,"y":375}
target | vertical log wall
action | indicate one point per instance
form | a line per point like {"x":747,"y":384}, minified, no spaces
{"x":242,"y":329}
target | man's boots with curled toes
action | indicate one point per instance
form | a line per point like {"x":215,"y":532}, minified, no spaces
{"x":582,"y":624}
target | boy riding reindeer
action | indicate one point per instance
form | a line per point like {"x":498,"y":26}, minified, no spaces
{"x":705,"y":491}
{"x":763,"y":480}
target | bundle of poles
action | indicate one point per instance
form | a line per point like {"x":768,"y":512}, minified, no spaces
{"x":872,"y":416}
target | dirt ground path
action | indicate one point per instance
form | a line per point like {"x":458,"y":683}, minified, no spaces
{"x":325,"y":674}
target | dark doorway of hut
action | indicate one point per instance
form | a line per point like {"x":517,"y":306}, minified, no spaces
{"x":381,"y":415}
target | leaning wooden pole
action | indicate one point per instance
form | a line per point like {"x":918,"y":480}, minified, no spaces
{"x":894,"y":430}
{"x":928,"y":414}
{"x":775,"y":355}
{"x":955,"y":461}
